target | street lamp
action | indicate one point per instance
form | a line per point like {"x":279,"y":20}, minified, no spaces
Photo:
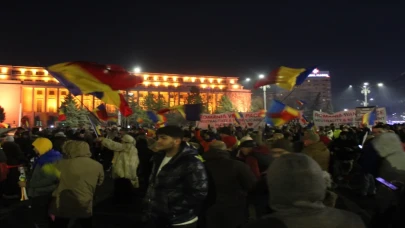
{"x":261,"y":76}
{"x":345,"y":110}
{"x":264,"y":90}
{"x":137,"y":70}
{"x":365,"y":90}
{"x":248,"y":79}
{"x":380,"y":84}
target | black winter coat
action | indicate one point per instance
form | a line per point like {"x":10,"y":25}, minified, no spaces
{"x":177,"y":192}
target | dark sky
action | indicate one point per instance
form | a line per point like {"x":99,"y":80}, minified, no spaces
{"x":354,"y":42}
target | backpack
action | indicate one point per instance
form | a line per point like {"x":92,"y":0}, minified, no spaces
{"x":4,"y":170}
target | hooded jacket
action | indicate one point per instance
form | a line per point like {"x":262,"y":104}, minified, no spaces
{"x":389,"y":148}
{"x":178,"y":190}
{"x":79,"y":176}
{"x":126,"y":160}
{"x":297,"y":189}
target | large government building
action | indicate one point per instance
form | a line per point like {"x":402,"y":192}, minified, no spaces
{"x":31,"y":93}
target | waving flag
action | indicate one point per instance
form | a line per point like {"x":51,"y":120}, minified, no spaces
{"x":279,"y":113}
{"x":190,"y":112}
{"x":101,"y":112}
{"x":61,"y":115}
{"x":101,"y":81}
{"x":285,"y":77}
{"x":370,"y":117}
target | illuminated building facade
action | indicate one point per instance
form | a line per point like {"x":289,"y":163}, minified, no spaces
{"x":32,"y":93}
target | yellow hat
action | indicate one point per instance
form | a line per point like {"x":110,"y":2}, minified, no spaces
{"x":42,"y":145}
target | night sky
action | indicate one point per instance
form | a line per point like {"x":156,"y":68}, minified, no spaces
{"x":356,"y":43}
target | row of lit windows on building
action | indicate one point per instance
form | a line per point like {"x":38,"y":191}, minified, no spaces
{"x":204,"y":86}
{"x":50,"y":99}
{"x":165,"y":78}
{"x":24,"y":71}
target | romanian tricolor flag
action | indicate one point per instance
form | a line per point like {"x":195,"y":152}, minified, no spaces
{"x":190,"y":112}
{"x":370,"y":117}
{"x":285,"y":77}
{"x":102,"y":81}
{"x":101,"y":112}
{"x":156,"y":118}
{"x":61,"y":115}
{"x":279,"y":113}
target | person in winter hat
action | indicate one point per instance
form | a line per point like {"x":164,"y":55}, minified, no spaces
{"x":297,"y":188}
{"x":42,"y":182}
{"x":125,"y":166}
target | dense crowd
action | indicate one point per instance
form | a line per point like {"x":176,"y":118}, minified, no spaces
{"x":226,"y":177}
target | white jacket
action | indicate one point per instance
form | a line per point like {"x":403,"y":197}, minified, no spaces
{"x":125,"y":161}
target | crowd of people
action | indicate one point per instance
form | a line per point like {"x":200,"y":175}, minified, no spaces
{"x":228,"y":177}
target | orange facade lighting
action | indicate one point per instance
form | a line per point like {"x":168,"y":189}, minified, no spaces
{"x":185,"y":78}
{"x":221,"y":87}
{"x":174,"y":79}
{"x":166,"y":84}
{"x":4,"y":70}
{"x":46,"y":72}
{"x":3,"y":76}
{"x":146,"y":83}
{"x":211,"y":80}
{"x":202,"y":80}
{"x":155,"y":78}
{"x":145,"y":77}
{"x":232,"y":81}
{"x":193,"y":79}
{"x":235,"y":86}
{"x":22,"y":70}
{"x":175,"y":84}
{"x":203,"y":86}
{"x":157,"y":84}
{"x":165,"y":78}
{"x":219,"y":80}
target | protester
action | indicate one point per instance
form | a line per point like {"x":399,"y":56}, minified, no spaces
{"x":297,"y":188}
{"x":178,"y":183}
{"x":125,"y":167}
{"x":42,"y":184}
{"x":79,"y":175}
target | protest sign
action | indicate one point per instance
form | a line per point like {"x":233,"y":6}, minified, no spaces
{"x":351,"y":117}
{"x":250,"y":119}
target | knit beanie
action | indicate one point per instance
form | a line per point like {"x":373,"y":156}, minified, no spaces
{"x":42,"y":145}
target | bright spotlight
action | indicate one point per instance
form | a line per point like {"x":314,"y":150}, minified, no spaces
{"x":137,"y":70}
{"x":261,"y":76}
{"x":366,"y":84}
{"x":380,"y":84}
{"x":371,"y":99}
{"x":345,"y":110}
{"x":248,"y":79}
{"x":350,"y":86}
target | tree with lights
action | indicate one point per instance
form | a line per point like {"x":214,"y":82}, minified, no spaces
{"x":76,"y":115}
{"x":225,"y":105}
{"x":137,"y":113}
{"x":152,"y":102}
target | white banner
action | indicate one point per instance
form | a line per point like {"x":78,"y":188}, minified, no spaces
{"x":250,"y":119}
{"x":345,"y":117}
